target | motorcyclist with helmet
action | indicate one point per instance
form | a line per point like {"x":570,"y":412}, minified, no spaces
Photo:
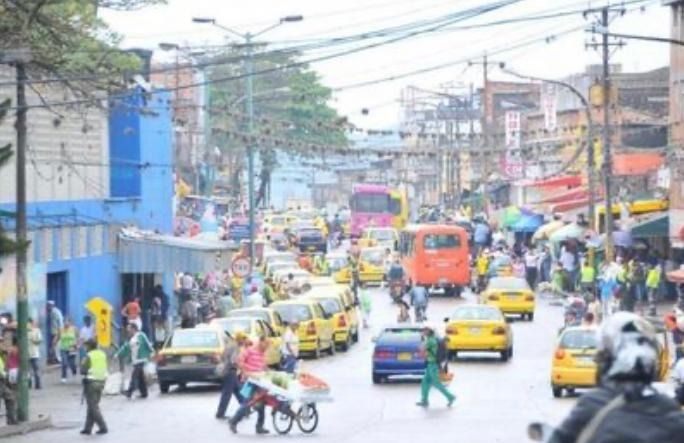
{"x":625,"y":407}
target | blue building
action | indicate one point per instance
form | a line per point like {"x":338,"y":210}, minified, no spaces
{"x":90,"y":173}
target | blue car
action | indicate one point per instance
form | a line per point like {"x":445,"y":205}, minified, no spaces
{"x":398,"y":352}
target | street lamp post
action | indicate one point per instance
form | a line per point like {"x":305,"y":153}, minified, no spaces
{"x":249,"y":87}
{"x":591,"y":165}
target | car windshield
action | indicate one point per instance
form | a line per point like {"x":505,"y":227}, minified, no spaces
{"x":508,"y":284}
{"x":476,"y":313}
{"x":261,"y":315}
{"x":330,"y":305}
{"x":278,"y":220}
{"x":233,"y":325}
{"x":441,"y":241}
{"x":381,"y":235}
{"x":309,"y":231}
{"x":407,"y":335}
{"x":187,"y":339}
{"x":292,"y":313}
{"x":579,"y":339}
{"x":373,"y":256}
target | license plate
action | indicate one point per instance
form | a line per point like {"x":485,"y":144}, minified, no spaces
{"x":475,"y":331}
{"x":312,"y":248}
{"x":188,"y":359}
{"x":512,"y":297}
{"x":404,"y":356}
{"x":585,"y":361}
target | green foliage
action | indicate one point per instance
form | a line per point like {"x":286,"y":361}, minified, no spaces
{"x":7,"y":245}
{"x":290,"y":105}
{"x":67,"y":39}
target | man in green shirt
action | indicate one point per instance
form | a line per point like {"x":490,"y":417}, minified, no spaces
{"x":431,"y":377}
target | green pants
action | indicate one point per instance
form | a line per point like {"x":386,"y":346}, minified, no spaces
{"x":431,"y":380}
{"x":93,"y":394}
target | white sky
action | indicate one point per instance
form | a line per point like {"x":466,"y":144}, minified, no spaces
{"x":325,"y":18}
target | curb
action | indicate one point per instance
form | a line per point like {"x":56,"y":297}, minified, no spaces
{"x":41,"y":423}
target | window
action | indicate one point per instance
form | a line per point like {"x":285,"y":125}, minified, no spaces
{"x":331,"y":306}
{"x":194,"y":339}
{"x":96,"y":240}
{"x":47,"y":245}
{"x":374,"y":203}
{"x":64,"y":242}
{"x":292,"y":313}
{"x":319,"y":311}
{"x":441,"y":241}
{"x":395,"y":205}
{"x":580,"y":339}
{"x":476,"y":313}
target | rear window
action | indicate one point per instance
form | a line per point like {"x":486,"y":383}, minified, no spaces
{"x":441,"y":241}
{"x":585,"y":339}
{"x":476,"y":313}
{"x":381,"y":235}
{"x":337,"y":263}
{"x":291,"y":313}
{"x":373,"y":256}
{"x":407,"y":335}
{"x":194,"y":339}
{"x":330,"y":305}
{"x":261,"y":315}
{"x":232,"y":326}
{"x":508,"y":283}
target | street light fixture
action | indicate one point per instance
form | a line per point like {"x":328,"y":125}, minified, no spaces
{"x":249,"y":93}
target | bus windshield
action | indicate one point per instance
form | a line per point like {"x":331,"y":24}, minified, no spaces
{"x":374,"y":203}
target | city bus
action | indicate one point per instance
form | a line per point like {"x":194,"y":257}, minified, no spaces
{"x":399,"y":209}
{"x":436,"y":256}
{"x":370,"y":207}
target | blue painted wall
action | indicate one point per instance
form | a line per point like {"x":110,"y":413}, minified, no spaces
{"x":142,"y":193}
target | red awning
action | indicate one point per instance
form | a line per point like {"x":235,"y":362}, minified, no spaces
{"x":560,"y":208}
{"x":574,"y":194}
{"x":570,"y":181}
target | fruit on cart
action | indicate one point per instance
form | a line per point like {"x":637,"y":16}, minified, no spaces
{"x":308,"y":381}
{"x":280,"y":379}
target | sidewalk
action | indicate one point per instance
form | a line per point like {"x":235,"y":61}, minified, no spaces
{"x":49,"y":407}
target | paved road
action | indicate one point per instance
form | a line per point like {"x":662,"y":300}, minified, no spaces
{"x":495,"y":400}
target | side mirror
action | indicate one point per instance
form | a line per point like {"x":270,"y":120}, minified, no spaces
{"x":446,"y":319}
{"x":374,"y":338}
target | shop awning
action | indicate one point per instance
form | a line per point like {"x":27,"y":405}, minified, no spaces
{"x":574,"y":194}
{"x":570,"y":181}
{"x":637,"y":163}
{"x":153,"y":253}
{"x":656,"y":226}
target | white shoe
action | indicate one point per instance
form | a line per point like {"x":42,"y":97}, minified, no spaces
{"x":64,"y":380}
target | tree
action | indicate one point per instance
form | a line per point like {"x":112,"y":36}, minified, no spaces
{"x":7,"y":245}
{"x":290,"y":107}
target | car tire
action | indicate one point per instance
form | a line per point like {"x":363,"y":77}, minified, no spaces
{"x":557,"y":391}
{"x":504,"y":355}
{"x":164,"y":387}
{"x":317,"y":351}
{"x":332,"y":350}
{"x":344,"y":347}
{"x":453,"y":355}
{"x":377,"y":379}
{"x":355,"y":337}
{"x":510,"y":352}
{"x":530,"y":316}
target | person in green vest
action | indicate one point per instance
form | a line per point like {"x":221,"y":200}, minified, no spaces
{"x":588,"y":278}
{"x":269,"y":292}
{"x":652,"y":284}
{"x":139,"y":350}
{"x":431,"y":376}
{"x":7,"y":394}
{"x":94,"y":366}
{"x":68,"y":347}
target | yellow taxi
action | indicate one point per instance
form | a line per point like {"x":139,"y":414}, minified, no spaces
{"x":316,"y":333}
{"x":372,"y":265}
{"x":573,"y":365}
{"x":339,"y":267}
{"x":277,"y":222}
{"x":333,"y":306}
{"x":510,"y":294}
{"x":254,"y":328}
{"x":478,"y":328}
{"x":385,"y":238}
{"x":190,"y":355}
{"x":266,"y":314}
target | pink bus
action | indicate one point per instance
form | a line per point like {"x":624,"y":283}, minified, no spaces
{"x":370,"y":206}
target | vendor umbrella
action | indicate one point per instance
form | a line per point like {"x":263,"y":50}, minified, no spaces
{"x":545,"y":231}
{"x":510,"y":216}
{"x":567,"y":232}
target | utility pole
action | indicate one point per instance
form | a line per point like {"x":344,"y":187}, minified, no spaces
{"x":21,"y":238}
{"x":483,"y":156}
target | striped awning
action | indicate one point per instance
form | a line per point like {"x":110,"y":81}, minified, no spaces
{"x":156,"y":254}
